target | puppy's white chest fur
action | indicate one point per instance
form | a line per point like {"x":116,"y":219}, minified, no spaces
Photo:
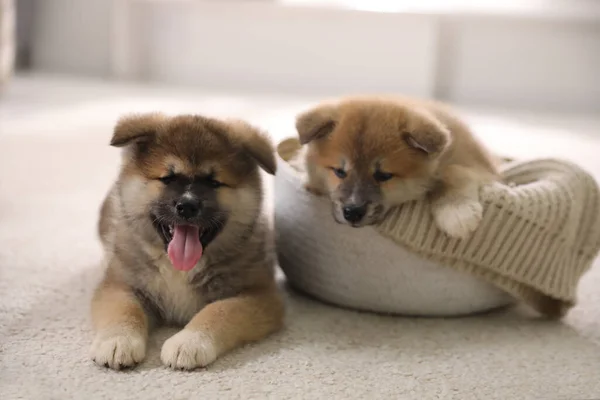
{"x":179,"y":300}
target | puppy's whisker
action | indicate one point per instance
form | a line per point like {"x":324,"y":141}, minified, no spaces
{"x":215,"y":223}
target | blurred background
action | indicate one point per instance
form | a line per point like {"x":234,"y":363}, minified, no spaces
{"x":518,"y":64}
{"x":519,"y":53}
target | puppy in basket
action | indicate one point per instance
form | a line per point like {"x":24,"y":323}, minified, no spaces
{"x":185,"y":242}
{"x":369,"y":154}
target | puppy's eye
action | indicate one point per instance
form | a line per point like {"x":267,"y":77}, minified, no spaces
{"x":340,"y":173}
{"x":214,"y":183}
{"x":380,"y":176}
{"x":167,"y":178}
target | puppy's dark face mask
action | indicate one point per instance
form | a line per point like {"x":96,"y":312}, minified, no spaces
{"x":190,"y":177}
{"x":188,"y":216}
{"x":357,"y":200}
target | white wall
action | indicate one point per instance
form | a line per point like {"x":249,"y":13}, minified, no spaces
{"x":546,"y":64}
{"x":301,"y":50}
{"x":72,"y":36}
{"x":512,"y":60}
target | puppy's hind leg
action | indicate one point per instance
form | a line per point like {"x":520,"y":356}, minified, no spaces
{"x":120,"y":325}
{"x":455,"y":204}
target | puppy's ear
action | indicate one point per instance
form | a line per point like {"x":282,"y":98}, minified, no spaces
{"x":257,"y":144}
{"x":316,"y":123}
{"x":430,"y":138}
{"x":139,"y":128}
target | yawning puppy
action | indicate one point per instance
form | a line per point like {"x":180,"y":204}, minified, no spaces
{"x":371,"y":153}
{"x":185,"y":242}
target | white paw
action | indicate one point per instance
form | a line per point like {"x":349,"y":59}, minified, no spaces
{"x":118,"y":348}
{"x":188,"y":349}
{"x":458,"y":219}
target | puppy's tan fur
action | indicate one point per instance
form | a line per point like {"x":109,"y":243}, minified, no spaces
{"x":230,"y":296}
{"x":426,"y":148}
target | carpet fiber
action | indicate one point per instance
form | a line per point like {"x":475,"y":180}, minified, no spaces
{"x":55,"y":166}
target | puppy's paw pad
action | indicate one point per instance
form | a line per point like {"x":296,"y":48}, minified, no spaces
{"x":188,"y":349}
{"x":118,"y":349}
{"x":458,"y":219}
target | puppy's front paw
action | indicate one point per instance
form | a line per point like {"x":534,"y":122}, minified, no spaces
{"x":188,"y":349}
{"x":458,"y":219}
{"x":119,"y":348}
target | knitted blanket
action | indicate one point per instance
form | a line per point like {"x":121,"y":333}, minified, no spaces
{"x":539,"y":233}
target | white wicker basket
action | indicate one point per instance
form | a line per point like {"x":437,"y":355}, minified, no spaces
{"x":360,"y":269}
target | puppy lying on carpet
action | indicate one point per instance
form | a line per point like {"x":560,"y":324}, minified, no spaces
{"x":185,"y":242}
{"x":371,"y":153}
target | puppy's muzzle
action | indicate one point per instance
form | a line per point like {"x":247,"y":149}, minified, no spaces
{"x":354,"y":213}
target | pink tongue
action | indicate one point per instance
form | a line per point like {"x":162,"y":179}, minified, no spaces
{"x":185,"y":249}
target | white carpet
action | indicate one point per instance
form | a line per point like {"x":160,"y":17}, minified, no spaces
{"x":55,"y":166}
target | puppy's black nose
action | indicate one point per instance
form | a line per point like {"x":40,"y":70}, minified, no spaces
{"x":188,"y":208}
{"x":353,"y":213}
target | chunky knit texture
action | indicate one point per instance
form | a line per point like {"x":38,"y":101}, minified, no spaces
{"x":539,"y":233}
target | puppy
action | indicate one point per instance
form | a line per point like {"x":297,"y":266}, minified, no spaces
{"x":371,"y":153}
{"x":185,"y":242}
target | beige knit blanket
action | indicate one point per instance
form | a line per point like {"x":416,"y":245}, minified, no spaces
{"x":539,"y":233}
